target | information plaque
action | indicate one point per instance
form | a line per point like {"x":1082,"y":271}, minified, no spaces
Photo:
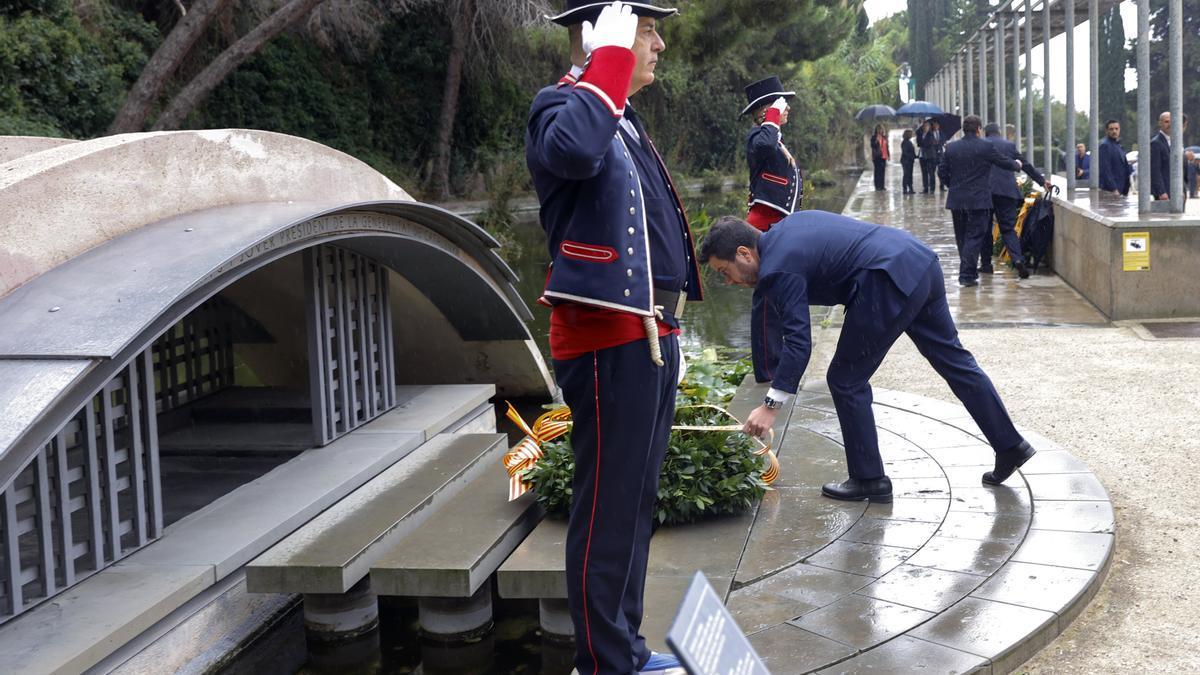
{"x":706,"y":638}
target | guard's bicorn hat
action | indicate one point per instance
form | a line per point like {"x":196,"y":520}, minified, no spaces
{"x":578,"y":11}
{"x":764,"y":91}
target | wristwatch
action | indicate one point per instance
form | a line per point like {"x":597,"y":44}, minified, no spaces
{"x":772,"y":404}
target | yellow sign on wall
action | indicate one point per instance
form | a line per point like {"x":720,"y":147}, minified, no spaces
{"x":1136,"y":246}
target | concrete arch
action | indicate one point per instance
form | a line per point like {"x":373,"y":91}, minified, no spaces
{"x":12,"y":147}
{"x":71,"y":197}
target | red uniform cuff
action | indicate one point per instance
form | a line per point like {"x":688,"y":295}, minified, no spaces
{"x":608,"y":75}
{"x":773,"y":116}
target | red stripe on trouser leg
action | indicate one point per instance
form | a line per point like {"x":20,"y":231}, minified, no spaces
{"x":587,"y":622}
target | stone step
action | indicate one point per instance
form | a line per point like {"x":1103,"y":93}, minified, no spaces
{"x":486,"y":529}
{"x":336,"y":549}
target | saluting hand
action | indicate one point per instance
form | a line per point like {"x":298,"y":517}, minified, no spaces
{"x":616,"y":26}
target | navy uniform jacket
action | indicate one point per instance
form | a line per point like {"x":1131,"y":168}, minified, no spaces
{"x":1001,"y":180}
{"x":1113,"y":167}
{"x":1160,"y":164}
{"x":966,"y":168}
{"x":592,"y":204}
{"x":907,"y":152}
{"x":774,"y":181}
{"x":821,"y":258}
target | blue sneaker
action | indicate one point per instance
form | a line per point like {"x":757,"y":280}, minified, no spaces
{"x":661,"y":663}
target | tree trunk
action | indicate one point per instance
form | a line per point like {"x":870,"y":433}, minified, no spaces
{"x":162,"y":65}
{"x":237,"y":53}
{"x":459,"y":32}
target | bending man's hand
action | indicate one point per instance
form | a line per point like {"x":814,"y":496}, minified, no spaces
{"x":760,"y":421}
{"x":615,"y":27}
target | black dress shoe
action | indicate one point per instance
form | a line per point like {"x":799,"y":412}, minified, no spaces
{"x":968,"y":282}
{"x":878,"y":490}
{"x":987,"y":270}
{"x":1009,"y":461}
{"x":1022,"y":270}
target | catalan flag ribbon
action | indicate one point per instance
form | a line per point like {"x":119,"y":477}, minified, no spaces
{"x":553,"y":424}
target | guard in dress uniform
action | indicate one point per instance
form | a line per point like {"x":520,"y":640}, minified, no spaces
{"x":776,"y":181}
{"x":890,"y":283}
{"x":622,"y":266}
{"x":776,"y":190}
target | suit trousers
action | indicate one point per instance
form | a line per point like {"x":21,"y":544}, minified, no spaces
{"x":880,"y":168}
{"x":976,"y":223}
{"x":875,"y":318}
{"x":906,"y":181}
{"x":928,"y":175}
{"x":1006,"y":209}
{"x":622,"y":409}
{"x":959,"y":218}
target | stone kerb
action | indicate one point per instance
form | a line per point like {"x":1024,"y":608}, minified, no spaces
{"x":12,"y":147}
{"x":65,"y":200}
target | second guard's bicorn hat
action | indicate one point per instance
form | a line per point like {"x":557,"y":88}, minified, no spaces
{"x":578,"y":11}
{"x":764,"y":91}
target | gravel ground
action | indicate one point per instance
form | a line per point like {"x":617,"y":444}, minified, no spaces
{"x":1130,"y":408}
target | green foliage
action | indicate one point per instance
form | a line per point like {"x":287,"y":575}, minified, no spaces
{"x":705,"y":473}
{"x":60,"y":78}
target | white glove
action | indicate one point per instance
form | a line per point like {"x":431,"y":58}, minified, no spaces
{"x":616,"y":26}
{"x":682,"y":367}
{"x":780,"y":104}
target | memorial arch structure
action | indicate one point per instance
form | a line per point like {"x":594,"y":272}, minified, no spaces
{"x":143,"y":276}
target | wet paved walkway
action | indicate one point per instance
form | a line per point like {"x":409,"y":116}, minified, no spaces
{"x":999,"y":299}
{"x":953,"y":576}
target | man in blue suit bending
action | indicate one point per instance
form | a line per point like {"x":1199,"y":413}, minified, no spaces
{"x":890,"y":283}
{"x":966,"y":167}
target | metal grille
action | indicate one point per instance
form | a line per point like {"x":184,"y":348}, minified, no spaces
{"x":88,"y":499}
{"x":351,"y":362}
{"x":194,"y":357}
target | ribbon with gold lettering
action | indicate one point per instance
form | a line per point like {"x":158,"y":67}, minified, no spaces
{"x":553,"y":424}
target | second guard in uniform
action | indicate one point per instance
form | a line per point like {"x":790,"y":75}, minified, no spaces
{"x":622,"y":264}
{"x":776,"y":181}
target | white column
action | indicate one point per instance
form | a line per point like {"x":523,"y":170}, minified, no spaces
{"x":1143,"y":105}
{"x":1029,"y":79}
{"x":1016,"y":70}
{"x":1069,"y":141}
{"x":1047,"y":132}
{"x":998,"y":74}
{"x":969,"y":72}
{"x":1093,"y":141}
{"x":983,"y":76}
{"x":1175,"y":77}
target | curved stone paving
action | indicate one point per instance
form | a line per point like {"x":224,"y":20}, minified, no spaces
{"x":951,"y":577}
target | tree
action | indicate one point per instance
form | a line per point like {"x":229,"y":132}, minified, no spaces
{"x":1160,"y":92}
{"x":1113,"y":57}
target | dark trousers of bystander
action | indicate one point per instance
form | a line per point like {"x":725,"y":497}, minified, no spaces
{"x":906,"y":181}
{"x":880,"y":168}
{"x":959,"y":218}
{"x":976,"y":223}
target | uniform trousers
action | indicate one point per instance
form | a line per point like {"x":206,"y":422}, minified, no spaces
{"x":906,"y":180}
{"x":1006,"y":209}
{"x":622,"y":409}
{"x":876,"y":316}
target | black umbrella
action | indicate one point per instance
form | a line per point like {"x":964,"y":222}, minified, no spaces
{"x":875,"y":112}
{"x":948,"y":122}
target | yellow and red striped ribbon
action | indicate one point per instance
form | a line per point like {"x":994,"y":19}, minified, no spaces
{"x":553,"y":424}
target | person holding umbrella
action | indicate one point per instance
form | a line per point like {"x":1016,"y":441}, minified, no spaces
{"x":776,"y":181}
{"x":879,"y":155}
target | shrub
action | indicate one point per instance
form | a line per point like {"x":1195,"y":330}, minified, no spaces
{"x":705,"y":473}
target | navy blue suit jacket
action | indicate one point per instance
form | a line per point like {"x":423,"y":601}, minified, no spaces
{"x":1113,"y":167}
{"x":1160,"y":165}
{"x":966,"y":168}
{"x":816,"y":257}
{"x":1002,"y":181}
